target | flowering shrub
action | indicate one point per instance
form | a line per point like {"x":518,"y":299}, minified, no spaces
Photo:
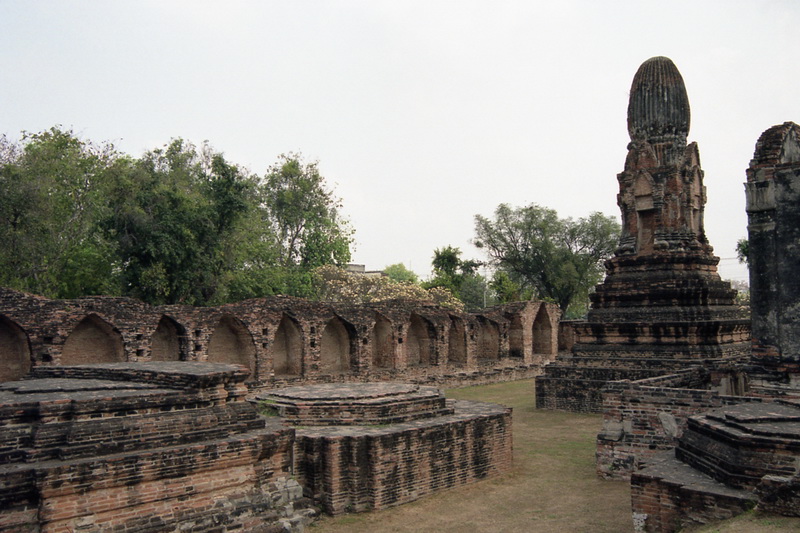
{"x":334,"y":284}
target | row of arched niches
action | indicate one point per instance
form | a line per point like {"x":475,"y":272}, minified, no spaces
{"x":278,"y":339}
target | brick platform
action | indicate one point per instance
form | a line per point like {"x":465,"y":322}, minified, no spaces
{"x":356,"y":404}
{"x":142,"y":447}
{"x":363,"y":447}
{"x":728,"y":460}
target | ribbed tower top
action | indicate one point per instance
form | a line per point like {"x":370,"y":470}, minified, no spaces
{"x":658,"y":109}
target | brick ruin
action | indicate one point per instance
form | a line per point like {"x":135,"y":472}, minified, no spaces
{"x":171,"y":446}
{"x":662,"y":306}
{"x":704,"y":423}
{"x":282,"y":340}
{"x":143,"y":447}
{"x":132,"y":417}
{"x":362,"y":447}
{"x":730,"y":448}
{"x":773,"y":209}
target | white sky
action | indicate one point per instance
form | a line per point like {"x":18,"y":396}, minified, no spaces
{"x":421,"y":113}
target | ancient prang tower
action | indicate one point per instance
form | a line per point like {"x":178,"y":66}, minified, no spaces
{"x":773,"y":210}
{"x":662,"y":305}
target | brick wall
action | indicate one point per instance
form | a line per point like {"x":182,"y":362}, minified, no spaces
{"x":670,"y":498}
{"x":363,"y":468}
{"x":141,"y":447}
{"x":643,"y":418}
{"x":284,"y":340}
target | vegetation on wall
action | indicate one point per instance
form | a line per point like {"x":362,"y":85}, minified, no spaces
{"x":334,"y":284}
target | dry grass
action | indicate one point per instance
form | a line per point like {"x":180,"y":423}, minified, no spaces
{"x":552,"y":487}
{"x":750,"y":522}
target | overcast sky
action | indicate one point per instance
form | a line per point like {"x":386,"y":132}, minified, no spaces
{"x":421,"y":114}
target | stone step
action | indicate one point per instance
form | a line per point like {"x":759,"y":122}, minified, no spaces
{"x":668,"y":495}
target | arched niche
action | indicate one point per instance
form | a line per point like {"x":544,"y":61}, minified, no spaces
{"x":167,"y":342}
{"x":419,"y":342}
{"x":382,"y":340}
{"x":335,"y":348}
{"x":488,"y":340}
{"x":645,"y":213}
{"x":15,"y":351}
{"x":516,"y":337}
{"x":93,"y":341}
{"x":542,"y":332}
{"x":696,"y":204}
{"x":457,"y":343}
{"x":287,"y":349}
{"x":232,"y":343}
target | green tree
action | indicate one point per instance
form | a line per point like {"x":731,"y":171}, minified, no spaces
{"x":459,"y":276}
{"x":52,"y":192}
{"x":506,"y":290}
{"x":304,"y":217}
{"x":557,"y":259}
{"x":177,"y":225}
{"x":176,"y":221}
{"x":743,"y":251}
{"x":399,"y":273}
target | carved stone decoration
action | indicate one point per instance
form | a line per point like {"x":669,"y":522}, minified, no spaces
{"x":773,"y":211}
{"x":662,"y":305}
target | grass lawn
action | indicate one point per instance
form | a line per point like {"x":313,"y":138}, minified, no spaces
{"x":552,"y":487}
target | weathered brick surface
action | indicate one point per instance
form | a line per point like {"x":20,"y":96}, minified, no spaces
{"x":779,"y":495}
{"x":284,"y":341}
{"x":727,"y":460}
{"x":643,"y":418}
{"x":668,"y":496}
{"x":773,"y":211}
{"x":351,"y":404}
{"x":141,"y":447}
{"x":363,"y":447}
{"x":740,"y":444}
{"x":361,"y":468}
{"x":662,"y":298}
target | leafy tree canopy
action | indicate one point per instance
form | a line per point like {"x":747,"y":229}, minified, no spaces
{"x":180,"y":224}
{"x":743,"y":251}
{"x":459,"y":276}
{"x":52,"y":192}
{"x":553,"y":258}
{"x":399,"y":273}
{"x":304,"y":215}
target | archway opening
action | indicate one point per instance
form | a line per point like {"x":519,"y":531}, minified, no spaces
{"x":335,"y":348}
{"x":15,"y":352}
{"x":93,"y":341}
{"x":232,"y":343}
{"x":516,"y":342}
{"x":542,"y":333}
{"x":457,"y":343}
{"x":488,"y":340}
{"x":287,"y":349}
{"x":419,"y":342}
{"x":645,"y":214}
{"x":382,"y":341}
{"x":167,"y":341}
